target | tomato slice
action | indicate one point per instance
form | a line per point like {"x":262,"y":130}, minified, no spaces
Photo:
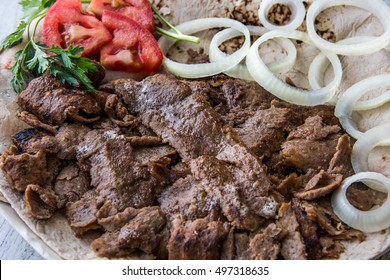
{"x":133,"y":48}
{"x":138,"y":10}
{"x":65,"y":23}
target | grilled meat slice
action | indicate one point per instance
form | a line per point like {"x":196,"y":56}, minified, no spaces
{"x":52,"y":102}
{"x":25,"y":169}
{"x":168,"y":106}
{"x":71,"y":183}
{"x":130,"y":231}
{"x":41,"y":202}
{"x":32,"y":140}
{"x":69,"y":136}
{"x":114,"y":171}
{"x":197,"y":240}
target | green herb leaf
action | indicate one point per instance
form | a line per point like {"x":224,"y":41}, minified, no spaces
{"x":31,"y":8}
{"x":22,"y":75}
{"x":14,"y":38}
{"x":39,"y":62}
{"x":71,"y":68}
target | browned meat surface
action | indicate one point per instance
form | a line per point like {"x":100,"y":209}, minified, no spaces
{"x":363,"y":197}
{"x":320,"y":185}
{"x":118,"y":113}
{"x":69,"y":136}
{"x":114,"y":172}
{"x":33,"y":121}
{"x":41,"y":202}
{"x":82,"y":213}
{"x":130,"y":231}
{"x":32,"y":140}
{"x":238,"y":95}
{"x":293,"y":247}
{"x":24,"y":169}
{"x":52,"y":102}
{"x":71,"y":183}
{"x":185,"y":169}
{"x":313,"y":129}
{"x":188,"y":198}
{"x":264,"y":131}
{"x":308,"y":154}
{"x":341,"y":161}
{"x":219,"y":186}
{"x":117,"y":221}
{"x":185,"y":120}
{"x":309,"y":232}
{"x":197,"y":240}
{"x":265,"y":245}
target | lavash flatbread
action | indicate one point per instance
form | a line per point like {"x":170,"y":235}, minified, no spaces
{"x":344,"y":22}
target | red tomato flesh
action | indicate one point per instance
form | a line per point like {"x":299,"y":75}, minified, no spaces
{"x":138,"y":10}
{"x":66,"y":24}
{"x":133,"y":48}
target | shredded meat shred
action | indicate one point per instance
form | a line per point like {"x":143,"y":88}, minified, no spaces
{"x":167,"y":168}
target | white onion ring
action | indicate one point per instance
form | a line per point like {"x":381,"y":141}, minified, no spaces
{"x":367,"y":221}
{"x":345,"y":104}
{"x":376,"y":136}
{"x":282,"y":90}
{"x":205,"y":69}
{"x":376,"y":7}
{"x":297,"y":9}
{"x":373,"y":102}
{"x":240,"y":70}
{"x":320,"y":63}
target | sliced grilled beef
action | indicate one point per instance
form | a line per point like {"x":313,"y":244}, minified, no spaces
{"x":197,"y":240}
{"x":53,"y":102}
{"x":264,"y":131}
{"x":293,"y":247}
{"x":82,"y":214}
{"x":114,"y":171}
{"x":221,"y":186}
{"x":71,"y":183}
{"x":25,"y":169}
{"x":165,"y":104}
{"x":127,"y":232}
{"x":68,"y":137}
{"x":32,"y":140}
{"x":265,"y":245}
{"x":41,"y":202}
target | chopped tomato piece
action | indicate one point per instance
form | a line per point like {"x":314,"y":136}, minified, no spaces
{"x":66,"y":24}
{"x":138,"y":10}
{"x":133,"y":48}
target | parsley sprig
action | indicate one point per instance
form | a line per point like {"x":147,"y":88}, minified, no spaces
{"x":35,"y":58}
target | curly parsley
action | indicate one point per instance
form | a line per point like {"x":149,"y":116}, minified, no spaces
{"x":35,"y":58}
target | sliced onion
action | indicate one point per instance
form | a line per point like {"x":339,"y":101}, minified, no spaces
{"x":377,"y":7}
{"x":263,"y":75}
{"x":373,"y":102}
{"x":345,"y":104}
{"x":376,"y":136}
{"x":205,"y":69}
{"x":320,"y":63}
{"x":367,"y":221}
{"x":297,"y":9}
{"x":240,"y":71}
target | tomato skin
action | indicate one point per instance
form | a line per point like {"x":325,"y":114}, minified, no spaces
{"x":133,"y":48}
{"x":65,"y":24}
{"x":138,"y":10}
